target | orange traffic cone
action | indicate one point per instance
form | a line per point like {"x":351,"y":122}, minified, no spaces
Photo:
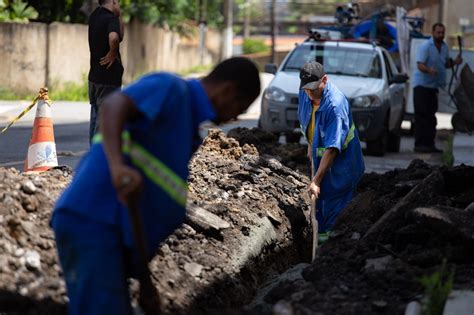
{"x":42,"y":149}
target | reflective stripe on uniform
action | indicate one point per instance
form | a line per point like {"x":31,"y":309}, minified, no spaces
{"x":153,"y":168}
{"x":350,"y":136}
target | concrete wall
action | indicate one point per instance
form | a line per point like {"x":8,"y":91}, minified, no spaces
{"x":23,"y":56}
{"x":452,"y":11}
{"x":261,"y":59}
{"x":68,"y":57}
{"x":35,"y":55}
{"x":147,"y":48}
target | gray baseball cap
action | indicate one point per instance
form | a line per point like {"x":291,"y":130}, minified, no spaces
{"x":311,"y":75}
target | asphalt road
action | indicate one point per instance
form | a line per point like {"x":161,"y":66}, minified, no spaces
{"x":71,"y":125}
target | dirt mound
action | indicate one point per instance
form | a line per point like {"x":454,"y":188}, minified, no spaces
{"x":400,"y":227}
{"x":255,"y":209}
{"x":29,"y":270}
{"x":244,"y":210}
{"x":292,"y":155}
{"x":247,"y":223}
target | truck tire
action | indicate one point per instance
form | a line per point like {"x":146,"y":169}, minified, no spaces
{"x":460,"y":124}
{"x":292,"y":137}
{"x":378,"y":146}
{"x":393,"y":143}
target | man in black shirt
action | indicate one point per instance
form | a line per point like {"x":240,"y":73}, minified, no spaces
{"x":105,"y":75}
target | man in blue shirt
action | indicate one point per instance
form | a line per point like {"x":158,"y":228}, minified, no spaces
{"x":432,"y":59}
{"x":149,"y":132}
{"x":333,"y":144}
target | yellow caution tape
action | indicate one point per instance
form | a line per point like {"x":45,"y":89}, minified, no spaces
{"x":42,"y":95}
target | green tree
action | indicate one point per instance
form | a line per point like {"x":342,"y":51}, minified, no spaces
{"x":60,"y":10}
{"x":16,"y":11}
{"x":170,"y":13}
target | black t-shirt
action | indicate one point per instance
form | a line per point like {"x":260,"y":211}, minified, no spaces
{"x":102,"y":22}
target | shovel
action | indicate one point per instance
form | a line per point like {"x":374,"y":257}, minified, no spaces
{"x":148,"y":299}
{"x":314,"y":222}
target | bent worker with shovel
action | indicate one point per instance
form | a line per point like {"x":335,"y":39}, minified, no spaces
{"x":129,"y":191}
{"x":333,"y":146}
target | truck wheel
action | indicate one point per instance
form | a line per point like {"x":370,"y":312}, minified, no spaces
{"x":459,"y":123}
{"x":292,"y":137}
{"x":378,"y":146}
{"x":393,"y":144}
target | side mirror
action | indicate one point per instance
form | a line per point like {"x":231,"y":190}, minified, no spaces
{"x":398,"y":78}
{"x":270,"y":68}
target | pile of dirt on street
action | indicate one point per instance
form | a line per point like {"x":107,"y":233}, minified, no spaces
{"x":30,"y":281}
{"x":292,"y":155}
{"x":254,"y":209}
{"x":245,"y":213}
{"x":400,"y":227}
{"x":247,"y":224}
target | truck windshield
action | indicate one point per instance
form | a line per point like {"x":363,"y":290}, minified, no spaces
{"x":337,"y":60}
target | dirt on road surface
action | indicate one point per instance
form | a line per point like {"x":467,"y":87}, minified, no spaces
{"x":245,"y":246}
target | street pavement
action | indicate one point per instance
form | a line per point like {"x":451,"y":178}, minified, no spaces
{"x":71,"y":125}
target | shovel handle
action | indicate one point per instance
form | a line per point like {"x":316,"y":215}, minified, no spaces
{"x":149,"y":299}
{"x":314,"y":222}
{"x":315,"y":227}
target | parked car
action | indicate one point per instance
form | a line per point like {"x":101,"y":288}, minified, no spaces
{"x":364,"y":72}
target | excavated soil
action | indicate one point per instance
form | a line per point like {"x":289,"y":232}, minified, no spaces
{"x":400,"y":227}
{"x":247,"y":224}
{"x":245,"y":215}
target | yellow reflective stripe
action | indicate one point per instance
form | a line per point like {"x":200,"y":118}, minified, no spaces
{"x":159,"y":173}
{"x":126,"y":142}
{"x":320,"y":151}
{"x":97,"y":138}
{"x":153,"y":168}
{"x":349,"y":137}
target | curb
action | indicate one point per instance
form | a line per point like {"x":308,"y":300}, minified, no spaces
{"x":463,"y":149}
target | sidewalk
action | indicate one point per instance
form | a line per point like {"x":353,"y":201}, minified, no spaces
{"x":63,"y":112}
{"x":463,"y":149}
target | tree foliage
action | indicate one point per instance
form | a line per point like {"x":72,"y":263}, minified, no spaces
{"x":60,"y":10}
{"x":16,"y":11}
{"x":171,"y":13}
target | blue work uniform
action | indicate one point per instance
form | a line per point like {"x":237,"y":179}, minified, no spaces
{"x":334,"y":128}
{"x":429,"y":55}
{"x":425,"y":91}
{"x":159,"y":144}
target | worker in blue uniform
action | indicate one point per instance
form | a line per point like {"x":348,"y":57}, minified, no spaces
{"x":148,"y":135}
{"x":333,"y":144}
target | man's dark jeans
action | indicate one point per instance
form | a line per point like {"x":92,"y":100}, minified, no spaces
{"x":97,"y":94}
{"x":425,"y":101}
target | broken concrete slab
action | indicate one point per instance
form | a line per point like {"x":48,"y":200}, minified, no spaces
{"x":452,"y":222}
{"x":378,"y":264}
{"x":202,"y":219}
{"x":259,"y":305}
{"x":429,"y":187}
{"x":459,"y":303}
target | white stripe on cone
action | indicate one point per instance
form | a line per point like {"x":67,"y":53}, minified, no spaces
{"x":43,"y":109}
{"x":42,"y":154}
